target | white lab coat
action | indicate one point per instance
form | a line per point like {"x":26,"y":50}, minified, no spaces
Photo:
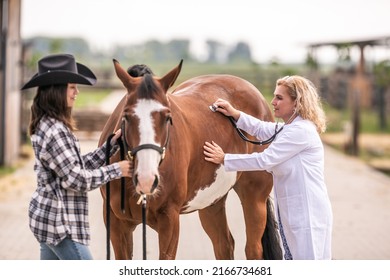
{"x":296,"y":160}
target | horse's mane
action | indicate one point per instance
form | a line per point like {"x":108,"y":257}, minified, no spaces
{"x":147,"y":88}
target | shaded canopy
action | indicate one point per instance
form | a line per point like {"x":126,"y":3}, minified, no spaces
{"x":383,"y":41}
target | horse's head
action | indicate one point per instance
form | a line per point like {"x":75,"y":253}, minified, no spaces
{"x":146,"y":119}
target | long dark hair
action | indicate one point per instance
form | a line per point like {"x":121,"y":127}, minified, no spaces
{"x":51,"y":101}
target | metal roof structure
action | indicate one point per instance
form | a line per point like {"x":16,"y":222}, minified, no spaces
{"x":380,"y":41}
{"x":377,"y":41}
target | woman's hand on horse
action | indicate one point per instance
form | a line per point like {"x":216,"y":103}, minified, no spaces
{"x":213,"y":152}
{"x":126,"y":167}
{"x":115,"y":138}
{"x":226,"y":108}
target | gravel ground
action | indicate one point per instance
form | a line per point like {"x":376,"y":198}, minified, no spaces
{"x":359,"y":194}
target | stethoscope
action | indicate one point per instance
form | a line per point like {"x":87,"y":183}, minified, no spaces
{"x":213,"y":108}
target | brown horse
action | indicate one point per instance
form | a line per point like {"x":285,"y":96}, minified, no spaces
{"x":157,"y":123}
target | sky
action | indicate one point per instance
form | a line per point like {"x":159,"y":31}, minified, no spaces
{"x":272,"y":28}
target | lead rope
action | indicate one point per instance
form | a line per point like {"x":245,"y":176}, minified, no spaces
{"x":144,"y":226}
{"x":142,"y":199}
{"x":123,"y":196}
{"x":108,"y":193}
{"x":123,"y":182}
{"x":108,"y":198}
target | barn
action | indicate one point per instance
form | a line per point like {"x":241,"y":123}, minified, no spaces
{"x":10,"y":80}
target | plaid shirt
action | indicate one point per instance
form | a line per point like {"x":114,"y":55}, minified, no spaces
{"x":59,"y":206}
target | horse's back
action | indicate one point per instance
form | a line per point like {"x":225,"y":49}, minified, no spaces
{"x":204,"y":90}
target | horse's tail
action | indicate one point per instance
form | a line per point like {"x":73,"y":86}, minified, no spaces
{"x":271,"y":238}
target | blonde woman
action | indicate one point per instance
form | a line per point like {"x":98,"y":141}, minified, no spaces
{"x":296,"y":160}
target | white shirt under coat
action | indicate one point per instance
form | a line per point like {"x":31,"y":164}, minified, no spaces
{"x":296,"y":160}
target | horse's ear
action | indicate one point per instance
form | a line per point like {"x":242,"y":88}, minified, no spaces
{"x":122,"y":74}
{"x":169,"y":79}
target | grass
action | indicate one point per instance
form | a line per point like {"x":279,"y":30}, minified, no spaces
{"x":373,"y":144}
{"x":25,"y":154}
{"x":90,"y":97}
{"x":5,"y":170}
{"x":338,"y":119}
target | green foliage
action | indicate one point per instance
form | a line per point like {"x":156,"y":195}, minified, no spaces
{"x":6,"y":170}
{"x":311,"y":61}
{"x":90,"y":97}
{"x":344,"y":51}
{"x":338,"y":119}
{"x":382,"y":73}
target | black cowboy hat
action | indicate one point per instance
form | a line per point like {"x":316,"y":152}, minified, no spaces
{"x":60,"y":69}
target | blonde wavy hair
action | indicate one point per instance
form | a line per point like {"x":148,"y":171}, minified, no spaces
{"x":308,"y":102}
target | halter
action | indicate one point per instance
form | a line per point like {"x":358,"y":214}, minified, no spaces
{"x":124,"y":149}
{"x":133,"y":152}
{"x":108,"y":191}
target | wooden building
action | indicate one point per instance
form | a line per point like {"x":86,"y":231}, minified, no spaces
{"x":359,"y":84}
{"x":360,"y":79}
{"x":10,"y":81}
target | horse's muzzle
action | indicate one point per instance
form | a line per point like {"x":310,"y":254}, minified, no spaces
{"x":145,"y":185}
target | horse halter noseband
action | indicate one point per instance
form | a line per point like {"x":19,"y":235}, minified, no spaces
{"x":133,"y":152}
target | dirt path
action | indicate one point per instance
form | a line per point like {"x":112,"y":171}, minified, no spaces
{"x":360,"y":199}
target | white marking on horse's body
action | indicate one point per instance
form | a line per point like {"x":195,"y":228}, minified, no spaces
{"x":224,"y":181}
{"x":148,"y":159}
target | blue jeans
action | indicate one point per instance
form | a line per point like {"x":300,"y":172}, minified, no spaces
{"x":66,"y":250}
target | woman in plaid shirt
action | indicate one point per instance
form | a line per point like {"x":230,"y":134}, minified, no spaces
{"x":59,"y":206}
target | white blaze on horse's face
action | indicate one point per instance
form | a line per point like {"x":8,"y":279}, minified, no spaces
{"x":148,"y":159}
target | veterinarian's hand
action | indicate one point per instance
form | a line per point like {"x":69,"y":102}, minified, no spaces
{"x":226,"y":108}
{"x":213,"y":152}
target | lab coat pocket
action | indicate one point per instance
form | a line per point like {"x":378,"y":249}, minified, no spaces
{"x":295,"y":211}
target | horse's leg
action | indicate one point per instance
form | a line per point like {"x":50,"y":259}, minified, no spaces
{"x":122,"y":239}
{"x":253,"y":189}
{"x":168,"y":227}
{"x":121,"y":236}
{"x":214,"y":222}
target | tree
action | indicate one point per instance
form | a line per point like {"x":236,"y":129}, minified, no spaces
{"x":382,"y":79}
{"x":178,"y":49}
{"x":240,"y":53}
{"x":216,"y":53}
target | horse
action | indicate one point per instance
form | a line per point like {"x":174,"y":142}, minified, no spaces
{"x":164,"y":132}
